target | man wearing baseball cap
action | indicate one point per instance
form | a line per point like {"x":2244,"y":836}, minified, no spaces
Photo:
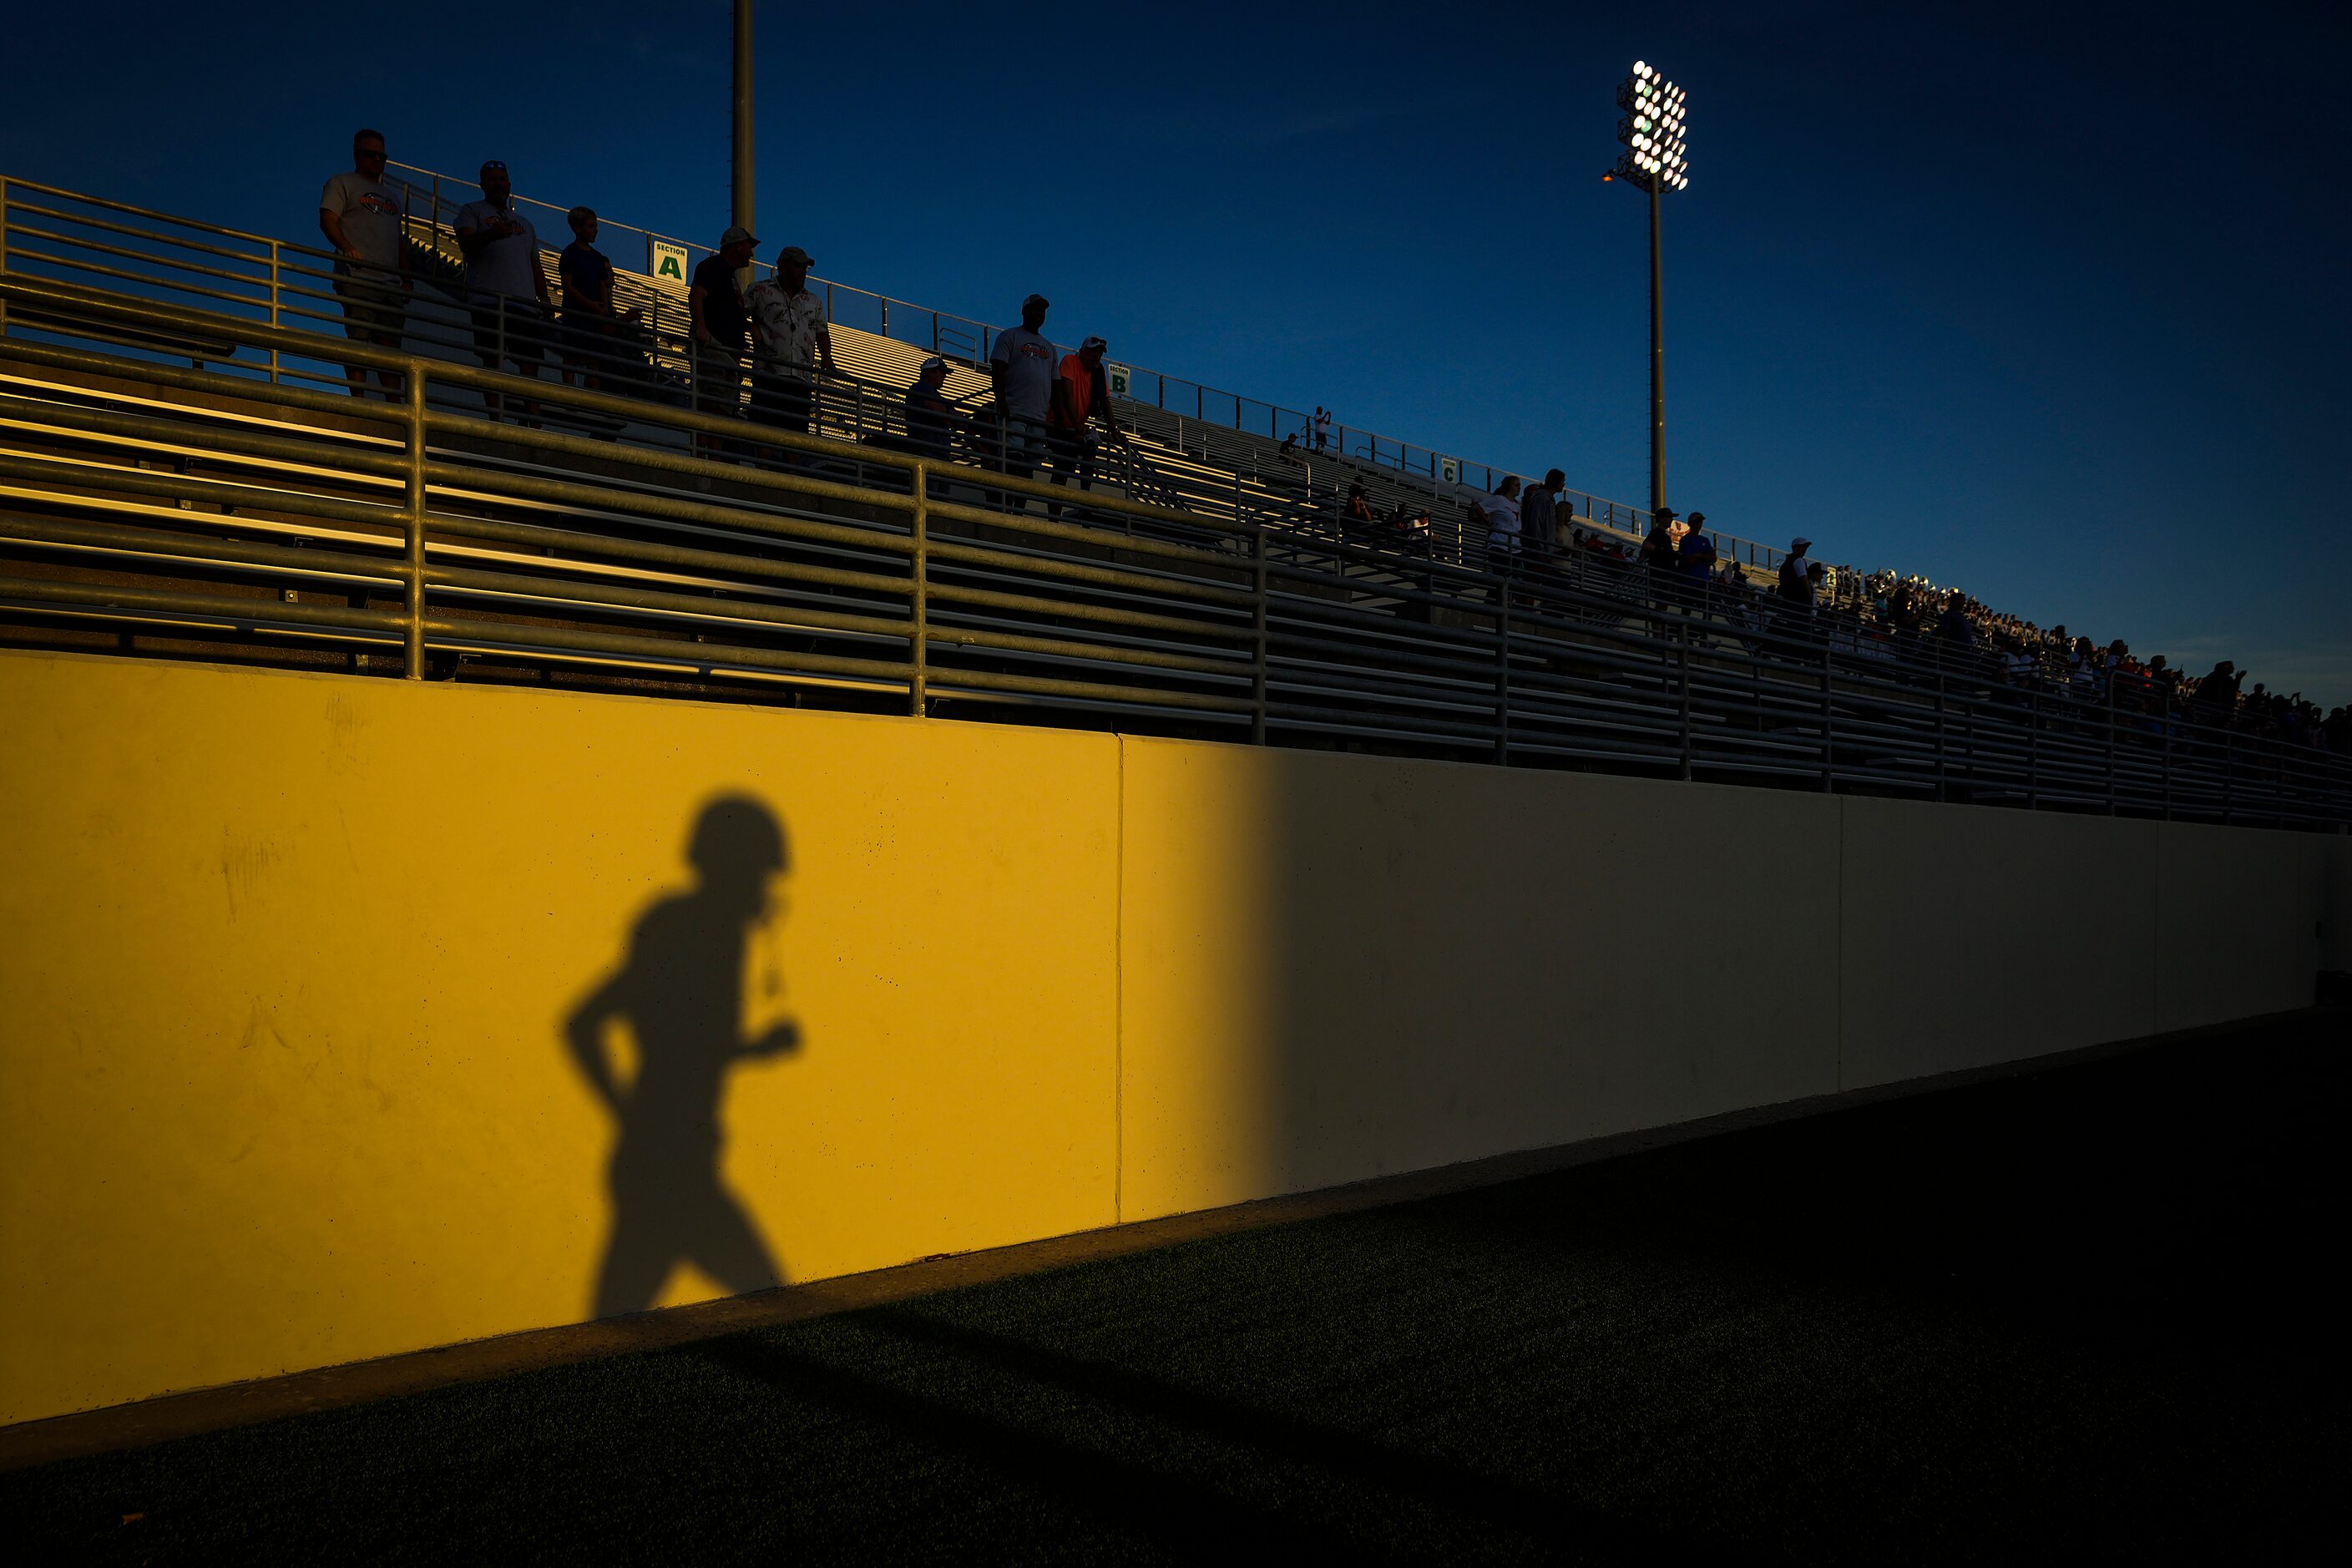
{"x":1796,"y":579}
{"x":931,"y":419}
{"x":721,"y":330}
{"x":1021,"y":364}
{"x":1080,"y":392}
{"x":791,"y":342}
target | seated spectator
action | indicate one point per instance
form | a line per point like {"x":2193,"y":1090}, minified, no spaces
{"x":1953,"y":627}
{"x":1289,"y":451}
{"x":1358,"y":513}
{"x":933,"y":422}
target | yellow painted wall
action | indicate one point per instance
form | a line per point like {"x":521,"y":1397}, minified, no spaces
{"x":285,"y":959}
{"x":286,"y":962}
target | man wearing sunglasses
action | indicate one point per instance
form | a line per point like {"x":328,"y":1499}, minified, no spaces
{"x":360,"y":214}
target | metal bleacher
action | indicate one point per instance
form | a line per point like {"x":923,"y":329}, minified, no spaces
{"x":185,"y":472}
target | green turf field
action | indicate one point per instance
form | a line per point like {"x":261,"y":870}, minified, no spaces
{"x":2077,"y":1314}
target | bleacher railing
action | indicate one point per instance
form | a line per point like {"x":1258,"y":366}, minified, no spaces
{"x":436,"y":197}
{"x":176,"y":479}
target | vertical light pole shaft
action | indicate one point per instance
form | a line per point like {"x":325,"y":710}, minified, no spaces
{"x":1658,"y":357}
{"x":743,"y":192}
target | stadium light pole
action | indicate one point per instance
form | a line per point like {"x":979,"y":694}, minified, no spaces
{"x":1654,"y":162}
{"x":741,"y":204}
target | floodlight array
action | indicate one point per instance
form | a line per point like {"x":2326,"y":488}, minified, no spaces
{"x":1653,"y":130}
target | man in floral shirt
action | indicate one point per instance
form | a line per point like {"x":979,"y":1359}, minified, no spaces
{"x":789,"y":343}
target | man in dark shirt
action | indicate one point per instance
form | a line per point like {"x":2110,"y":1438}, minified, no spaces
{"x":2217,"y":694}
{"x":721,"y":330}
{"x":1539,"y":516}
{"x":931,"y":419}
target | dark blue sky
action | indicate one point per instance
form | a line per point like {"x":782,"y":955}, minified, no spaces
{"x":2051,"y":304}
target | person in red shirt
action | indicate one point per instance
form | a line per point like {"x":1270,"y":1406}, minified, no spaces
{"x":1081,"y":394}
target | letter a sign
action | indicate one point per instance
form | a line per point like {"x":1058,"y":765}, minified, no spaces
{"x":663,"y":259}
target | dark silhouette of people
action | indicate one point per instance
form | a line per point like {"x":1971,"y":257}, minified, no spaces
{"x":681,"y":989}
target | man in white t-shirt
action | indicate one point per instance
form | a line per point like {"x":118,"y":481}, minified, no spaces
{"x":361,"y":215}
{"x":790,"y":343}
{"x":1023,"y":366}
{"x":505,"y":283}
{"x":1500,"y":512}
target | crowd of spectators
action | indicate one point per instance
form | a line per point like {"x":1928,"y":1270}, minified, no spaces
{"x":1052,"y":410}
{"x":1887,"y":607}
{"x":761,"y":353}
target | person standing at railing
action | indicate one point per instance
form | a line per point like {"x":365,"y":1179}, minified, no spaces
{"x":590,"y":327}
{"x":1322,"y":429}
{"x":1796,"y":574}
{"x":1695,"y":555}
{"x":361,"y":216}
{"x":721,"y":332}
{"x":1080,"y":395}
{"x":1500,"y":513}
{"x":2217,"y":694}
{"x":1662,"y":557}
{"x":505,"y":283}
{"x":791,"y":342}
{"x":1021,"y":365}
{"x":1539,"y":516}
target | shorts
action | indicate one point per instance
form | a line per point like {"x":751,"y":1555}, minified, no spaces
{"x":374,"y":309}
{"x":521,"y":322}
{"x":718,"y":381}
{"x":587,"y":337}
{"x":1073,"y":453}
{"x":785,"y":401}
{"x":1024,"y":443}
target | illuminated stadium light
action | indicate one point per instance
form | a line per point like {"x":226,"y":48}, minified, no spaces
{"x":1655,"y":160}
{"x":1655,"y":156}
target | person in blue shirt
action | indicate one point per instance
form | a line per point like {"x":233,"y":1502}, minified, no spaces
{"x":590,"y":324}
{"x":1697,"y":554}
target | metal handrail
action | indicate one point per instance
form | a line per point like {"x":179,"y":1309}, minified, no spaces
{"x":1151,"y":610}
{"x":282,"y":276}
{"x":1405,"y":458}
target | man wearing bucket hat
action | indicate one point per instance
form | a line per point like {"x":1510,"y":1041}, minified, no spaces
{"x":790,"y":342}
